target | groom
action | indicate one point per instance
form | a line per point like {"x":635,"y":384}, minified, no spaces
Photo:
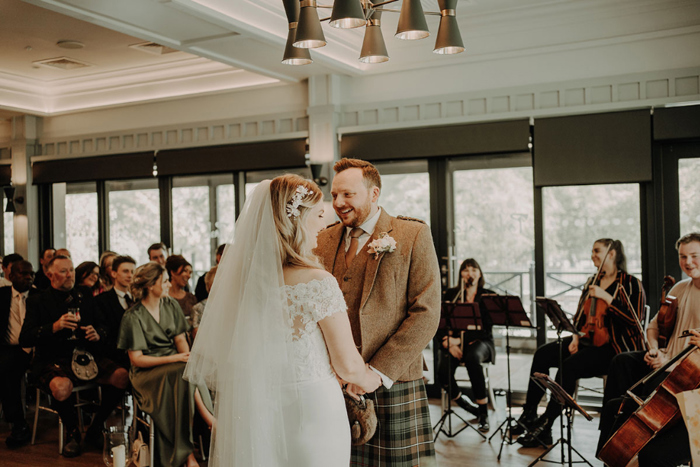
{"x":393,"y":299}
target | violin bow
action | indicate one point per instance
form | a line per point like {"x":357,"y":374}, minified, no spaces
{"x":645,"y":343}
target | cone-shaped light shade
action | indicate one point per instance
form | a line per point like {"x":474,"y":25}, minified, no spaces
{"x":449,"y":40}
{"x":412,"y":23}
{"x":347,"y":14}
{"x":309,"y":32}
{"x":295,"y":55}
{"x":373,"y":46}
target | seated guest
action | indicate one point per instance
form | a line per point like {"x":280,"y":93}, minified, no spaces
{"x":113,"y":303}
{"x":59,"y":320}
{"x":14,"y":360}
{"x":201,"y":291}
{"x":153,"y":333}
{"x":6,"y":265}
{"x":472,"y":348}
{"x":584,"y":356}
{"x":198,"y":309}
{"x":180,"y":271}
{"x":106,"y":259}
{"x":87,"y":278}
{"x":41,"y":280}
{"x":671,"y":446}
{"x":63,"y":252}
{"x":157,"y":253}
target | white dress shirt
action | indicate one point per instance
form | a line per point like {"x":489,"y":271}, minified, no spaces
{"x":367,"y":231}
{"x":122,"y":298}
{"x":18,"y":310}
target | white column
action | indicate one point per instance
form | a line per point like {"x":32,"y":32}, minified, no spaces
{"x":25,"y":133}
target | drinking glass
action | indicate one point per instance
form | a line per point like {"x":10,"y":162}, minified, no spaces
{"x":116,"y":452}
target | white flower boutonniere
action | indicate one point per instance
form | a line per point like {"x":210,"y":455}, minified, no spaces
{"x":382,"y":244}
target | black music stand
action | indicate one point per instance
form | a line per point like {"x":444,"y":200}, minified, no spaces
{"x":561,"y":322}
{"x":569,"y":405}
{"x":456,"y":317}
{"x":508,"y":311}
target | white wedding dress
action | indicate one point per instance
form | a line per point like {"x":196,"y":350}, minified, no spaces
{"x":321,"y":436}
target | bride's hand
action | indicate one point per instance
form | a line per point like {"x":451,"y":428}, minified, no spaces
{"x":354,"y":391}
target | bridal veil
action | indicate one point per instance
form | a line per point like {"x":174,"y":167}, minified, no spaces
{"x":243,"y":345}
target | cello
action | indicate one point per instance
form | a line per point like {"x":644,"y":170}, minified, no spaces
{"x":595,"y":311}
{"x":660,"y":410}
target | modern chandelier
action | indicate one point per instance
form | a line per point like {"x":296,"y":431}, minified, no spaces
{"x":305,"y":31}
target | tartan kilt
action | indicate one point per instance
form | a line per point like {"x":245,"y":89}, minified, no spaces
{"x":404,"y":436}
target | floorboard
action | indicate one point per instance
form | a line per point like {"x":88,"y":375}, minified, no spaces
{"x":464,"y":450}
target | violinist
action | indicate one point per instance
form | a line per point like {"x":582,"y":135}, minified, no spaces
{"x":671,"y":446}
{"x":612,"y":295}
{"x":472,"y":349}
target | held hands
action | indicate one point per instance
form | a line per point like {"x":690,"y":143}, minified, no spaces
{"x":454,"y":346}
{"x":90,"y":333}
{"x":371,"y":382}
{"x":655,"y":358}
{"x":66,"y":321}
{"x":181,"y":357}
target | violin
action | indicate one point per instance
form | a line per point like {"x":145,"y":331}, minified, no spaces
{"x":595,"y":311}
{"x":659,"y":411}
{"x":666,"y":318}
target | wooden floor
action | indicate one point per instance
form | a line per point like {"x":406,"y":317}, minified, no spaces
{"x":464,"y":450}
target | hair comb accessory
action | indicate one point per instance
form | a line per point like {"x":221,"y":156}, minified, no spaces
{"x":293,"y":204}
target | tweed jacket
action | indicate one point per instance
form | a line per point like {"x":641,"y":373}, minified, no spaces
{"x":400,"y":305}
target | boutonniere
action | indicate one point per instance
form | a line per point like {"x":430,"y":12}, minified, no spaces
{"x":384,"y":243}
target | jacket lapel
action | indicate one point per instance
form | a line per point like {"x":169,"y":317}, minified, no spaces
{"x":329,"y":249}
{"x":383,"y":226}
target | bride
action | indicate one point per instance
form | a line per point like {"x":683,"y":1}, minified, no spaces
{"x":274,"y":336}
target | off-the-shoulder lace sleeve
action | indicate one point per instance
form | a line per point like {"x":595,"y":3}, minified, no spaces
{"x":312,"y":301}
{"x":329,"y":299}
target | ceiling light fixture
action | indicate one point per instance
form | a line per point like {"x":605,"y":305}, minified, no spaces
{"x":347,"y":14}
{"x":71,"y":45}
{"x":294,"y":55}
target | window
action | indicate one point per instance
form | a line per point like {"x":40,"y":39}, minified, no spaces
{"x":405,"y":189}
{"x":494,"y":221}
{"x":689,"y":193}
{"x":78,"y":217}
{"x":203,"y":213}
{"x":134,"y":217}
{"x":574,"y":218}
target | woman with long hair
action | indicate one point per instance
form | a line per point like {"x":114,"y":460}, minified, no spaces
{"x":87,"y":277}
{"x":153,"y":332}
{"x":471,"y":347}
{"x":587,"y":356}
{"x":275,"y":339}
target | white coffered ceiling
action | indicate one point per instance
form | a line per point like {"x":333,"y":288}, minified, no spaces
{"x":231,"y":44}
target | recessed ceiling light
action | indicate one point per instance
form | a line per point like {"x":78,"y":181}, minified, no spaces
{"x":70,"y":44}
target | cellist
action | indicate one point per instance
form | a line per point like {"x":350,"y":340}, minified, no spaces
{"x":622,"y":301}
{"x":670,"y":447}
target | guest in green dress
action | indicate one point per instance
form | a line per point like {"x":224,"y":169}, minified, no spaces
{"x":154,"y":334}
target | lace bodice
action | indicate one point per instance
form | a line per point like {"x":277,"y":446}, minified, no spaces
{"x":309,"y":303}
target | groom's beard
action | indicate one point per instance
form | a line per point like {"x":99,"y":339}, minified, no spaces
{"x":361,"y":214}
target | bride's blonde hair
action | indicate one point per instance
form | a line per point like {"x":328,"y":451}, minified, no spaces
{"x":291,"y":231}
